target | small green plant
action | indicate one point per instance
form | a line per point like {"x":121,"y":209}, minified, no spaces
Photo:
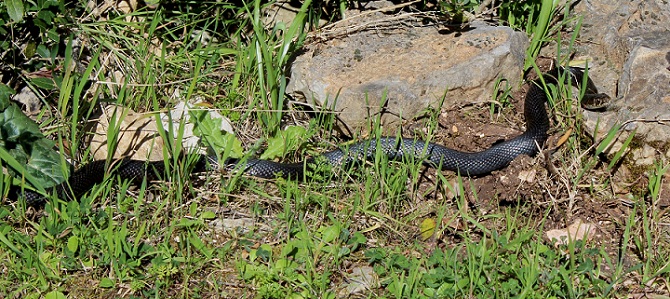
{"x":537,"y":26}
{"x":520,"y":14}
{"x":39,"y":27}
{"x":501,"y":96}
{"x":266,"y":57}
{"x":290,"y":270}
{"x":458,"y":10}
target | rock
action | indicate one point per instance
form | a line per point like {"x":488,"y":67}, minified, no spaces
{"x":139,"y":137}
{"x":241,"y":225}
{"x":361,"y":279}
{"x":578,"y":230}
{"x":629,"y":42}
{"x":403,"y":72}
{"x":283,"y":12}
{"x":527,"y":176}
{"x":31,"y":103}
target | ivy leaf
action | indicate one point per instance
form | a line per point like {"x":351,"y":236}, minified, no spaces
{"x":44,"y":164}
{"x":5,"y":92}
{"x":23,"y":140}
{"x":18,"y":128}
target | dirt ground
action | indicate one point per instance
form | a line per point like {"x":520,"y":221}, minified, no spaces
{"x":545,"y":183}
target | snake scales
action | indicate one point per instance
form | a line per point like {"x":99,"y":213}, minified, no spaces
{"x":472,"y":164}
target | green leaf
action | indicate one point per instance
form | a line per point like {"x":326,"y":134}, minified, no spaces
{"x":55,"y":295}
{"x":15,"y":9}
{"x":185,"y":222}
{"x":44,"y":83}
{"x":224,"y":144}
{"x":10,"y":244}
{"x":106,"y":283}
{"x":330,"y":233}
{"x":53,"y":35}
{"x":45,"y":163}
{"x":356,"y":240}
{"x":462,"y":283}
{"x":286,"y":140}
{"x":282,"y":264}
{"x":208,"y":215}
{"x":427,"y":228}
{"x":26,"y":144}
{"x":5,"y":93}
{"x":73,"y":243}
{"x":198,"y":244}
{"x":46,"y":16}
{"x":17,"y":127}
{"x":43,"y":51}
{"x":264,"y":252}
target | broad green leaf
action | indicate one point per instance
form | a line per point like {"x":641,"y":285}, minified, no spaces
{"x":73,"y":243}
{"x":44,"y":83}
{"x":208,"y":215}
{"x":5,"y":93}
{"x":25,"y":143}
{"x":185,"y":222}
{"x":330,"y":233}
{"x":46,"y":16}
{"x":53,"y":35}
{"x":15,"y":9}
{"x":55,"y":295}
{"x":16,"y":127}
{"x":43,"y":51}
{"x":427,"y":228}
{"x":224,"y":144}
{"x":106,"y":283}
{"x":282,"y":264}
{"x":284,"y":141}
{"x":265,"y":252}
{"x":45,"y":164}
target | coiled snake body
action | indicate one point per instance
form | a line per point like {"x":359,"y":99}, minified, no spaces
{"x":471,"y":164}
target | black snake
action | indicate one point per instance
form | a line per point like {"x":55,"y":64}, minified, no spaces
{"x":471,"y":164}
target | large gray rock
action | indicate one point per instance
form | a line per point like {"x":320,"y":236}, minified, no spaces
{"x":412,"y":67}
{"x":629,"y":44}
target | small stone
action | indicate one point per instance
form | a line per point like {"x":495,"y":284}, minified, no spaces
{"x":578,"y":230}
{"x":31,"y":103}
{"x":224,"y":224}
{"x":527,"y":176}
{"x":361,"y":279}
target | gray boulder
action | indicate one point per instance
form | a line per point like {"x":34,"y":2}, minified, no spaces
{"x":401,"y":72}
{"x":629,"y":46}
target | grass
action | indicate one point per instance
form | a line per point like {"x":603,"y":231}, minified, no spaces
{"x":234,"y":236}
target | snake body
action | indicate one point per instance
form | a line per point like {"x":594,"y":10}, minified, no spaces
{"x":496,"y":157}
